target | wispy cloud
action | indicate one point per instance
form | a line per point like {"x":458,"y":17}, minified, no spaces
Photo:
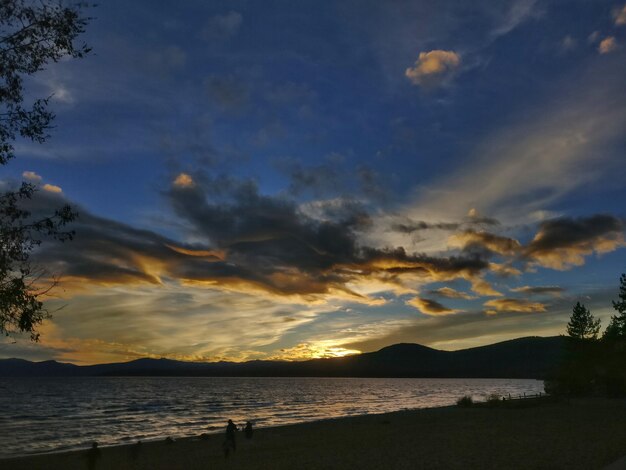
{"x":518,"y":12}
{"x":539,"y":290}
{"x":510,"y":176}
{"x":620,"y":16}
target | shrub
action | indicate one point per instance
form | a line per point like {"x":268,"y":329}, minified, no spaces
{"x":493,"y":399}
{"x":465,"y":401}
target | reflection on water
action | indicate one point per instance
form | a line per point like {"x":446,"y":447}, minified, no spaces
{"x":49,"y":414}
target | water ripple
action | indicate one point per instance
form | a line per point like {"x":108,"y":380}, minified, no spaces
{"x":51,"y":414}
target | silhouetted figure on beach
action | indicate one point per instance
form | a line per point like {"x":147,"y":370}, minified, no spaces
{"x":93,"y":455}
{"x":248,"y":430}
{"x":231,"y":429}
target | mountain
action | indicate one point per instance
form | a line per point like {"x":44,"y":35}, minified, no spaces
{"x":531,"y":357}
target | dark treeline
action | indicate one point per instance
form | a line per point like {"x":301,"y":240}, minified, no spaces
{"x":594,"y":364}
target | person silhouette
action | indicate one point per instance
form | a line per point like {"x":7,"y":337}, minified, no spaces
{"x":248,"y":430}
{"x":231,"y":429}
{"x":93,"y":455}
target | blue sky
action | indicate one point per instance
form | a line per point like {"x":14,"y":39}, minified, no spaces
{"x":298,"y":179}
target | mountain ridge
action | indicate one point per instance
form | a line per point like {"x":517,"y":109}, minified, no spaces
{"x":527,"y":357}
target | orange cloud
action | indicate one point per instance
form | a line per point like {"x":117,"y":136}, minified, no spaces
{"x":607,"y":45}
{"x":183,"y":180}
{"x":451,"y":293}
{"x":513,"y":305}
{"x":482,"y":287}
{"x":52,"y":188}
{"x":433,"y":68}
{"x":216,"y":254}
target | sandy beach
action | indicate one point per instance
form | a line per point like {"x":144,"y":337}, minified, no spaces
{"x":586,"y":434}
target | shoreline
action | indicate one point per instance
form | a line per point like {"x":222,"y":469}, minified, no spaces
{"x":213,"y":431}
{"x":581,"y":434}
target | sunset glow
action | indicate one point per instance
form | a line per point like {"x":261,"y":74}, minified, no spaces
{"x":296,"y":180}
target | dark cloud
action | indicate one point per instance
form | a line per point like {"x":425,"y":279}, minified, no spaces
{"x":321,"y":179}
{"x":371,"y":184}
{"x":473,"y":241}
{"x":410,"y":226}
{"x":481,"y":220}
{"x":331,"y":178}
{"x":430,"y":307}
{"x":539,"y":290}
{"x":563,"y":242}
{"x":248,"y":240}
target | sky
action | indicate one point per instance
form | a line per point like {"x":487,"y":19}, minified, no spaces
{"x":288,"y":180}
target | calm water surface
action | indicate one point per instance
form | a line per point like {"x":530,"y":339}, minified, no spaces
{"x":52,"y":414}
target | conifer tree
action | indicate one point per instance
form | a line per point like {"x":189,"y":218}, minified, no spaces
{"x":617,"y":326}
{"x":582,"y":324}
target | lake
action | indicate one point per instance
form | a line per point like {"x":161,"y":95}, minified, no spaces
{"x":53,"y":414}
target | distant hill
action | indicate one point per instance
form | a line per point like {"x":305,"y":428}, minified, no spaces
{"x":531,"y":357}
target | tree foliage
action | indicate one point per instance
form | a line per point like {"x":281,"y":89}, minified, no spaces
{"x":20,"y":289}
{"x":593,"y":367}
{"x":32,"y":34}
{"x":582,"y":324}
{"x":617,"y":326}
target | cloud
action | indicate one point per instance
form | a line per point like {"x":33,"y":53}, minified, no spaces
{"x":564,"y":242}
{"x":409,"y":226}
{"x":51,"y":188}
{"x":31,"y":176}
{"x":620,"y":16}
{"x":220,"y":27}
{"x":607,"y":45}
{"x":471,"y":240}
{"x":513,"y":305}
{"x":519,"y":12}
{"x":568,"y":43}
{"x":482,"y":287}
{"x":319,"y":179}
{"x":183,"y":180}
{"x":433,"y":68}
{"x":61,"y":94}
{"x":450,"y":293}
{"x":538,"y":290}
{"x":430,"y":307}
{"x":510,"y":177}
{"x":593,"y":37}
{"x":245,"y":242}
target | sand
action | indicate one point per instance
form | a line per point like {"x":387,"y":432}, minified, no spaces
{"x":588,"y":434}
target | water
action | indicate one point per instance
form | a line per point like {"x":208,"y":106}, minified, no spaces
{"x":53,"y":414}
